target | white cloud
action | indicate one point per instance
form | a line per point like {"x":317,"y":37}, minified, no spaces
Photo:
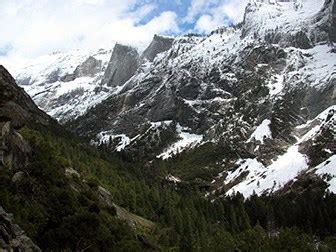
{"x":206,"y":23}
{"x":35,"y":27}
{"x":196,"y":7}
{"x":93,"y":2}
{"x":209,"y":15}
{"x":233,"y":9}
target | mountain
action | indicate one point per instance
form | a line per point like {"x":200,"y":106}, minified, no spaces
{"x":262,"y":89}
{"x":223,"y":142}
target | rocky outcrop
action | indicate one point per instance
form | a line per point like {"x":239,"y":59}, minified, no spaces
{"x":158,"y":45}
{"x":14,"y":151}
{"x":89,"y":68}
{"x":123,"y":64}
{"x":12,"y":237}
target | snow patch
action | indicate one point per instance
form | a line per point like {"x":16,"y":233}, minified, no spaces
{"x":105,"y":138}
{"x":187,"y":140}
{"x":276,"y":84}
{"x":262,"y":131}
{"x":173,"y":179}
{"x":267,"y":180}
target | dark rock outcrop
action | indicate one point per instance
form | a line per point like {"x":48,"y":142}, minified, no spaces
{"x":16,"y":110}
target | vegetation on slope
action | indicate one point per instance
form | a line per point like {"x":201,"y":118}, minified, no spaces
{"x":64,"y":213}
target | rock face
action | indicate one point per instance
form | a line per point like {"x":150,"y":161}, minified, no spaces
{"x":123,"y":64}
{"x":90,"y":67}
{"x":200,"y":81}
{"x":126,"y":60}
{"x":12,"y":237}
{"x":303,"y":27}
{"x":158,"y":45}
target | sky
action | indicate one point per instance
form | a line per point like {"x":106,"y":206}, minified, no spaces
{"x":31,"y":28}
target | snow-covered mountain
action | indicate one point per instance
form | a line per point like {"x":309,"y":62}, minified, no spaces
{"x":66,"y":84}
{"x":264,"y":89}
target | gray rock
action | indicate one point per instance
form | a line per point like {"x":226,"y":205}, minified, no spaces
{"x":53,"y":76}
{"x":12,"y":237}
{"x":123,"y":64}
{"x":158,"y":45}
{"x":90,"y":67}
{"x":68,"y":77}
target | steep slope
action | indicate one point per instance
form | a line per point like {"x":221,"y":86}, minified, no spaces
{"x":56,"y":199}
{"x":277,"y":70}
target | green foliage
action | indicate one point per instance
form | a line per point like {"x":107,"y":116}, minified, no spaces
{"x":47,"y":207}
{"x":196,"y":163}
